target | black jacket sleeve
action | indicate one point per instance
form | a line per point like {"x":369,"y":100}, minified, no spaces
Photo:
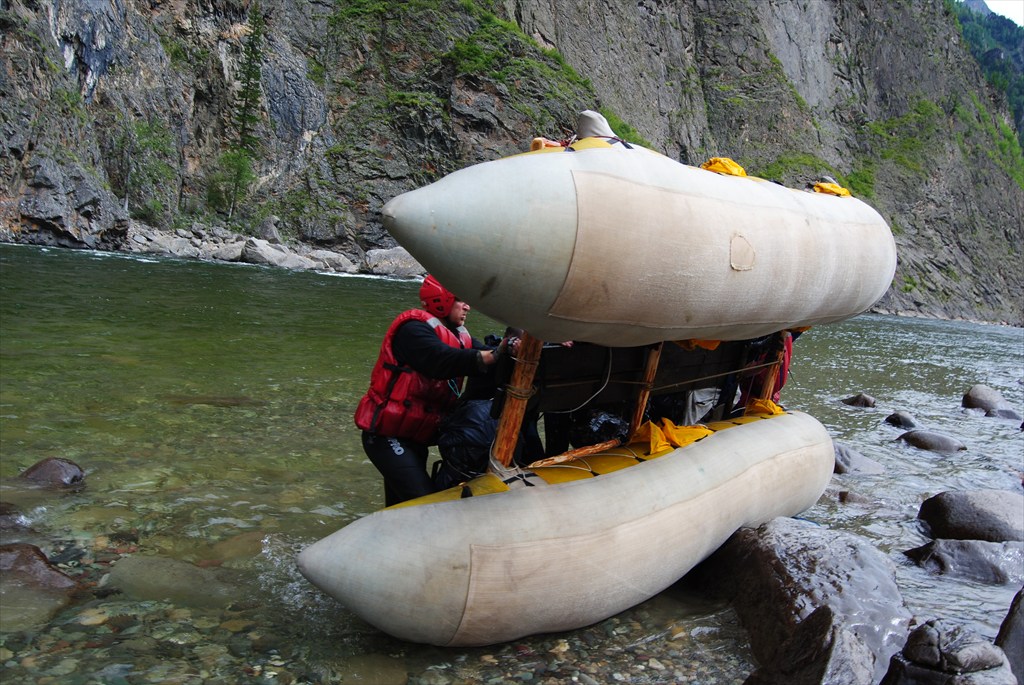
{"x":415,"y":344}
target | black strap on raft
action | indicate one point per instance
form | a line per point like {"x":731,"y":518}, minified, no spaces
{"x":519,"y":476}
{"x":466,"y":492}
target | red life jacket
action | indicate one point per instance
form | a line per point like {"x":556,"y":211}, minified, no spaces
{"x":402,"y":402}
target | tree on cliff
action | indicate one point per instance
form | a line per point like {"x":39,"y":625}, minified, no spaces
{"x":144,"y":170}
{"x":234,"y":175}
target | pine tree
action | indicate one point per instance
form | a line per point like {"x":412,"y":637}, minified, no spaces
{"x":235,"y":174}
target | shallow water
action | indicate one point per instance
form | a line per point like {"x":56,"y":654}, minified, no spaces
{"x":211,"y":404}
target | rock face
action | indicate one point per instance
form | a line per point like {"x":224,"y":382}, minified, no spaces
{"x":820,"y":605}
{"x":111,"y":112}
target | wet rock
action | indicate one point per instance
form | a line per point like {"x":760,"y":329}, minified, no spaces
{"x":847,"y":497}
{"x":29,"y":563}
{"x":32,"y":591}
{"x":934,"y":442}
{"x":997,"y":563}
{"x":944,"y":655}
{"x":11,"y":519}
{"x":372,"y":669}
{"x":779,"y":574}
{"x":395,"y":262}
{"x":229,"y":252}
{"x":849,"y":460}
{"x":257,"y":251}
{"x":991,"y":401}
{"x":993,"y":515}
{"x":333,"y":261}
{"x":1011,"y":636}
{"x":849,"y":659}
{"x":55,"y":471}
{"x":268,"y":230}
{"x":901,"y":419}
{"x":163,"y":579}
{"x":860,"y":400}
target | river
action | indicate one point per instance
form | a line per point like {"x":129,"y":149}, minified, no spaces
{"x":210,"y":406}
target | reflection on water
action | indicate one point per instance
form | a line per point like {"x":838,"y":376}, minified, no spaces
{"x":211,"y":405}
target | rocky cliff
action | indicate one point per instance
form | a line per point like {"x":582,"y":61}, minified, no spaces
{"x":122,"y":111}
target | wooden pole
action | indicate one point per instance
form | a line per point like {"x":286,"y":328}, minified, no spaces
{"x":584,"y":451}
{"x":653,"y":357}
{"x":517,"y":394}
{"x":771,"y":376}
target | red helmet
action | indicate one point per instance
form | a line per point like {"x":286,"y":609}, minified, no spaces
{"x":435,"y":297}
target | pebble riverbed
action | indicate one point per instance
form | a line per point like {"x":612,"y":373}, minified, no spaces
{"x":107,"y":638}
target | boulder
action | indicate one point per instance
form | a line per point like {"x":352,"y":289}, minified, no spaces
{"x":268,"y":230}
{"x":31,"y":588}
{"x":171,"y":580}
{"x":11,"y":519}
{"x":257,"y":251}
{"x":395,"y":262}
{"x":991,"y":401}
{"x":778,"y":577}
{"x":935,"y":653}
{"x":55,"y":471}
{"x":997,"y":563}
{"x":818,"y":651}
{"x":860,"y":400}
{"x":1011,"y":636}
{"x":901,"y":419}
{"x":228,"y":252}
{"x":934,"y":442}
{"x":849,"y":460}
{"x":333,"y":261}
{"x":992,"y":515}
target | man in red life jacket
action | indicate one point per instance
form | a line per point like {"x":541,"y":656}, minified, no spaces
{"x":414,"y":384}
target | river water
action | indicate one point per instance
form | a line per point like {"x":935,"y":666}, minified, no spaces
{"x":210,"y":406}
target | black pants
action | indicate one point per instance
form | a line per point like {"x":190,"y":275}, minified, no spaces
{"x":403,"y":463}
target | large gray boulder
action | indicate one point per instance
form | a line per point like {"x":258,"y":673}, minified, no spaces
{"x":395,"y":262}
{"x":990,"y":401}
{"x":998,"y":563}
{"x":258,"y":251}
{"x":932,"y":441}
{"x":820,"y":605}
{"x":993,"y":515}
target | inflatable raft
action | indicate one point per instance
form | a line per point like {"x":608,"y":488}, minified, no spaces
{"x":595,"y":536}
{"x":618,"y":245}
